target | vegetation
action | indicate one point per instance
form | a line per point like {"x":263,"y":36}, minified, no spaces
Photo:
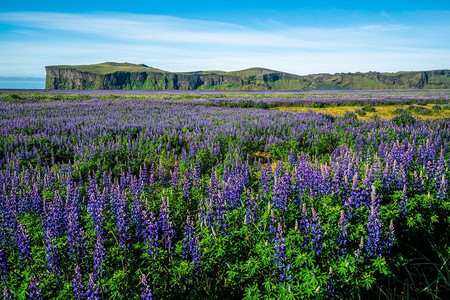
{"x":126,"y":76}
{"x":189,"y":199}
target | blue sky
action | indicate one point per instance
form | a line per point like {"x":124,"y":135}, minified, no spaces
{"x":300,"y":37}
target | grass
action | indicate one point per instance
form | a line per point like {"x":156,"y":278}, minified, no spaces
{"x":383,"y":111}
{"x":110,"y":67}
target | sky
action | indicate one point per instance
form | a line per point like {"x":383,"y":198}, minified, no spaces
{"x":300,"y":37}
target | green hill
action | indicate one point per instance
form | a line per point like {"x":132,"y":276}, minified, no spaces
{"x":111,"y":75}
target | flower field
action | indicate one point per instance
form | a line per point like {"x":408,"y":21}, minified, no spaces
{"x":203,"y":198}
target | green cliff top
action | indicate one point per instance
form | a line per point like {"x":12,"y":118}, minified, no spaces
{"x":110,"y":67}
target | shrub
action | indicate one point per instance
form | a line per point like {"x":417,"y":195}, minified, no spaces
{"x":369,"y":108}
{"x":349,"y":115}
{"x":437,"y":107}
{"x":404,"y":118}
{"x":360,"y":112}
{"x":399,"y":111}
{"x":318,"y":105}
{"x":419,"y":110}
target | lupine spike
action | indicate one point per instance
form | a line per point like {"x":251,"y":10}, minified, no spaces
{"x":146,"y":291}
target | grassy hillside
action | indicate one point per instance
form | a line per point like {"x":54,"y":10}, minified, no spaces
{"x":110,"y":67}
{"x":111,"y":75}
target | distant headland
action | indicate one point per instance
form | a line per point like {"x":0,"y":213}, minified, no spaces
{"x":127,"y":76}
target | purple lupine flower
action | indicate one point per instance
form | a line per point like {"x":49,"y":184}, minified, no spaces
{"x":75,"y":233}
{"x":122,"y":221}
{"x":281,"y":191}
{"x":4,"y":265}
{"x":197,"y":172}
{"x":52,"y":253}
{"x":342,"y":235}
{"x":250,"y":210}
{"x":96,"y":208}
{"x":403,"y":202}
{"x":78,"y":287}
{"x":7,"y":294}
{"x":272,"y":225}
{"x":266,"y":179}
{"x":34,"y":290}
{"x":214,"y":187}
{"x":99,"y":256}
{"x":151,"y":176}
{"x":137,"y":208}
{"x":161,"y":177}
{"x":188,"y":240}
{"x":356,"y":198}
{"x":316,"y":233}
{"x":201,"y":214}
{"x":55,"y":215}
{"x":22,"y":239}
{"x":143,"y":174}
{"x":36,"y":201}
{"x":146,"y":293}
{"x":390,"y":238}
{"x":280,"y":256}
{"x":92,"y":290}
{"x":210,"y":215}
{"x":418,"y":183}
{"x":330,"y":285}
{"x":197,"y":254}
{"x":166,"y":226}
{"x":150,"y":234}
{"x":231,"y":191}
{"x":304,"y":223}
{"x":279,"y":169}
{"x":221,"y":215}
{"x":374,"y":227}
{"x":136,"y":186}
{"x":187,"y":183}
{"x":443,"y":187}
{"x":359,"y":252}
{"x":291,"y":158}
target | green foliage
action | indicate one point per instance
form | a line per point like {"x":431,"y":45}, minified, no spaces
{"x":360,"y":112}
{"x":404,"y":118}
{"x":369,"y":108}
{"x":349,"y":115}
{"x":437,"y":107}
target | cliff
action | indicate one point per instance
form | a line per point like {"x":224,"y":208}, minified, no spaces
{"x":125,"y":76}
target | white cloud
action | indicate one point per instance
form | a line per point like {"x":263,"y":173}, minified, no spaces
{"x":380,"y":27}
{"x":176,"y":44}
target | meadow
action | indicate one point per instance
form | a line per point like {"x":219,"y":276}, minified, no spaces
{"x":211,"y":195}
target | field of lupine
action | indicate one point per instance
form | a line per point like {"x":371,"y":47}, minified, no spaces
{"x":114,"y":198}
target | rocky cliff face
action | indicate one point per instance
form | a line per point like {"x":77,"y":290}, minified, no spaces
{"x":75,"y":78}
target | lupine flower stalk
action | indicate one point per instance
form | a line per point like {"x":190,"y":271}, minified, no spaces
{"x":166,"y":226}
{"x":33,"y":288}
{"x":281,"y":264}
{"x":78,"y":288}
{"x":342,"y":236}
{"x":146,"y":291}
{"x":150,"y":234}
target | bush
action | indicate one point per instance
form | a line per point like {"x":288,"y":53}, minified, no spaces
{"x":349,"y":115}
{"x":437,"y":107}
{"x":369,"y":108}
{"x":419,"y":110}
{"x":404,"y":118}
{"x":318,"y":105}
{"x":399,"y":111}
{"x":360,"y":112}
